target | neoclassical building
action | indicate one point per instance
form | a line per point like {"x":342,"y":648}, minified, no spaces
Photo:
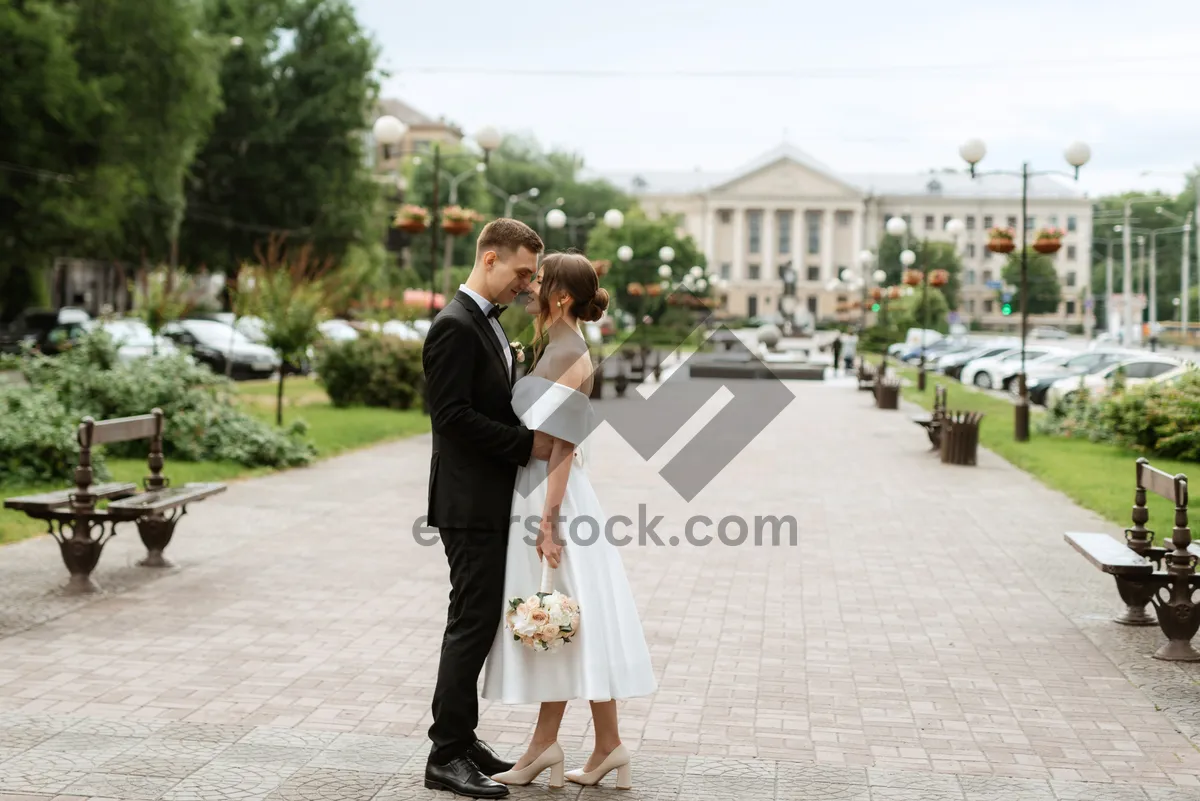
{"x":784,"y":210}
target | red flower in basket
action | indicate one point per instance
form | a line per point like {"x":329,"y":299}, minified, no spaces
{"x":457,"y":221}
{"x":913,"y":277}
{"x":939,"y":278}
{"x":413,"y":219}
{"x":1048,"y":240}
{"x":1000,"y":240}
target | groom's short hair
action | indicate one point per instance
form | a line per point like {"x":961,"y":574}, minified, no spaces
{"x":508,"y":234}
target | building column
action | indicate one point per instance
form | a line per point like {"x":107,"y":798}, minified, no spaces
{"x":739,"y":245}
{"x":710,"y":236}
{"x":856,"y":242}
{"x":799,"y":246}
{"x":767,"y":271}
{"x":827,"y":267}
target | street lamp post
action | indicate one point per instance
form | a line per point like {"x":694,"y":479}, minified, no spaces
{"x":1077,"y":154}
{"x":389,"y":132}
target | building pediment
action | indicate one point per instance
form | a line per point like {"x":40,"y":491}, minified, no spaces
{"x":786,"y":173}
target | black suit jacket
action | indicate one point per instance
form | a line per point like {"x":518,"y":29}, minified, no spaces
{"x":478,"y":442}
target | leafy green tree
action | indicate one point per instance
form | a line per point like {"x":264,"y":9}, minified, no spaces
{"x":930,"y":256}
{"x":287,"y":150}
{"x":645,"y":236}
{"x":1044,"y":291}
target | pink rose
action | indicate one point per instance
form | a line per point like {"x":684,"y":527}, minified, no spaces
{"x":534,"y":602}
{"x":539,"y":617}
{"x":522,"y":610}
{"x":548,"y":632}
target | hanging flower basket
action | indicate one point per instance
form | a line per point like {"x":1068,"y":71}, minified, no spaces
{"x":1000,"y":240}
{"x":876,"y":293}
{"x":913,"y":277}
{"x":939,"y":278}
{"x":457,"y":221}
{"x":653,"y":290}
{"x":635,"y":289}
{"x":1048,"y":240}
{"x":894,"y":293}
{"x":413,"y":219}
{"x":601,"y":266}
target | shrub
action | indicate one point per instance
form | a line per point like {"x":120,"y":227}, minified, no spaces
{"x":372,"y":370}
{"x":202,"y":421}
{"x":37,"y":438}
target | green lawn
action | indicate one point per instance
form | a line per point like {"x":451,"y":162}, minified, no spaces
{"x":333,"y":431}
{"x":1097,"y":476}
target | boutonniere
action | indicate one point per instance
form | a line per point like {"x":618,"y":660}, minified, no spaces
{"x":518,"y":349}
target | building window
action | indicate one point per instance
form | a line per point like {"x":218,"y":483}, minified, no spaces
{"x":754,"y":220}
{"x":812,"y":224}
{"x":1070,"y":307}
{"x":1072,"y":223}
{"x":971,"y":306}
{"x":1070,"y":253}
{"x":783,"y":220}
{"x":725,"y":216}
{"x":754,"y":272}
{"x":970,"y":222}
{"x":929,"y":222}
{"x":814,"y":273}
{"x":946,"y":218}
{"x":1053,"y":221}
{"x":970,"y":277}
{"x":987,"y":254}
{"x":907,"y":220}
{"x":987,"y":307}
{"x":812,"y":305}
{"x":842,"y":218}
{"x":841,"y":298}
{"x":1029,"y":222}
{"x":726,"y":269}
{"x":1012,"y":221}
{"x":971,"y":251}
{"x":987,"y":222}
{"x":1071,"y":278}
{"x":987,"y":276}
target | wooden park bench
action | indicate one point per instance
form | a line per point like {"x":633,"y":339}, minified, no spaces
{"x":1137,"y":565}
{"x":867,"y":374}
{"x":932,"y":423}
{"x":887,"y":393}
{"x":82,"y":529}
{"x":960,"y":437}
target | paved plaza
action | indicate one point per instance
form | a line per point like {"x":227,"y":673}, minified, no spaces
{"x":928,"y":636}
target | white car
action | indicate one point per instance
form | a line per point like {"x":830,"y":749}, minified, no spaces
{"x":338,"y":331}
{"x":401,"y":330}
{"x":994,"y":372}
{"x":133,"y":339}
{"x":952,"y":362}
{"x":1138,"y":370}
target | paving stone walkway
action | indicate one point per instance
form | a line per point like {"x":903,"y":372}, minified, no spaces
{"x":929,"y":635}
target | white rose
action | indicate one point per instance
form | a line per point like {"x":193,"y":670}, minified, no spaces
{"x":523,"y":626}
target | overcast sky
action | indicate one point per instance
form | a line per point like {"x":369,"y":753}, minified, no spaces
{"x":862,"y":86}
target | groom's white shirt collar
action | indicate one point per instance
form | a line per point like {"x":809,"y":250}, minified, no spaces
{"x":484,"y":304}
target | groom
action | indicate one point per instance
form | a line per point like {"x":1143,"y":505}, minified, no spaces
{"x":478,"y":443}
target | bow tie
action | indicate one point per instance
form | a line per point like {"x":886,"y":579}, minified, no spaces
{"x":496,"y":311}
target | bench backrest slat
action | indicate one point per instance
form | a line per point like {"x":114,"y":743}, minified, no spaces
{"x":1161,"y":483}
{"x":123,"y":429}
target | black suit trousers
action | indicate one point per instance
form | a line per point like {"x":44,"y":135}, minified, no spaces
{"x":477,"y":560}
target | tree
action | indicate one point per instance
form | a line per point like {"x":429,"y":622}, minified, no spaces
{"x":287,"y":151}
{"x":930,"y":256}
{"x":645,"y":237}
{"x":161,"y":296}
{"x":292,"y":296}
{"x":1044,"y":291}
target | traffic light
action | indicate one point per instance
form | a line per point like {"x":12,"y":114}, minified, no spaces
{"x":874,"y":307}
{"x":1006,"y":309}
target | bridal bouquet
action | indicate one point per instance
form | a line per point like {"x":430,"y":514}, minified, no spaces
{"x":544,"y":621}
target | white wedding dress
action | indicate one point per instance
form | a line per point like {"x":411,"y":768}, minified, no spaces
{"x":608,"y":659}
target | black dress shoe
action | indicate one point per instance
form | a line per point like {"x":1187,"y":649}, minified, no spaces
{"x":488,"y":760}
{"x":461,"y":776}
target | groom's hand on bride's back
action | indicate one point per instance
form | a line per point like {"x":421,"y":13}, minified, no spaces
{"x":543,"y":445}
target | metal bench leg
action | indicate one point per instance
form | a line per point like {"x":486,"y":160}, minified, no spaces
{"x":1136,"y":595}
{"x":81,"y":552}
{"x":1179,"y":619}
{"x":156,"y":531}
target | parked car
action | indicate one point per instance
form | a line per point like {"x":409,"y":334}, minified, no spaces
{"x":338,"y":331}
{"x":49,"y":331}
{"x":995,"y":372}
{"x":952,"y":364}
{"x":1039,"y":378}
{"x":215,"y":344}
{"x":1048,"y":332}
{"x":134,"y":339}
{"x":1137,"y":370}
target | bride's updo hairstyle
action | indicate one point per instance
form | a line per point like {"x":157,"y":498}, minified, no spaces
{"x":574,"y":274}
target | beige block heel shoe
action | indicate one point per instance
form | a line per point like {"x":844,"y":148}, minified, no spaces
{"x":618,"y":760}
{"x":551,"y":758}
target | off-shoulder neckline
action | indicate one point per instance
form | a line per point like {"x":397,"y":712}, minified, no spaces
{"x":555,"y":383}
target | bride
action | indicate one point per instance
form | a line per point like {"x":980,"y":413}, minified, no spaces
{"x":557,"y":517}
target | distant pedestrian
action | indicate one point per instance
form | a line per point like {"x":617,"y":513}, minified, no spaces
{"x":849,"y":351}
{"x":837,"y":351}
